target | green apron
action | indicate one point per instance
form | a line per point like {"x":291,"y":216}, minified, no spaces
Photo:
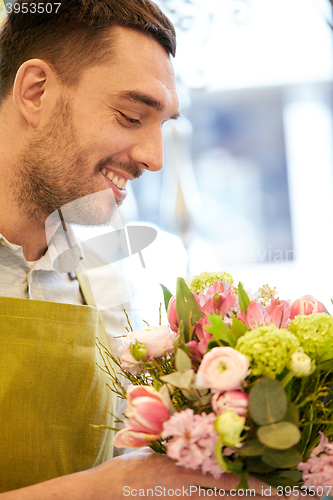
{"x":51,"y":391}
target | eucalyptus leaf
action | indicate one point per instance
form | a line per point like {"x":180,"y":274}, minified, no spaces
{"x":167,"y":296}
{"x":280,"y":436}
{"x":182,"y":361}
{"x":276,"y":481}
{"x":252,"y":448}
{"x":243,"y":298}
{"x":255,"y":464}
{"x":295,"y":475}
{"x":187,"y":308}
{"x":267,"y":401}
{"x":282,"y":459}
{"x":292,"y":414}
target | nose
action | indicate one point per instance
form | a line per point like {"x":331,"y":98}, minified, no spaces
{"x":148,"y":150}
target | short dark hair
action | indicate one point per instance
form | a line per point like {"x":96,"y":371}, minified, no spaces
{"x":73,"y":36}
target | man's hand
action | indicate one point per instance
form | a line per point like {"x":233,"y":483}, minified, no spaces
{"x":157,"y":476}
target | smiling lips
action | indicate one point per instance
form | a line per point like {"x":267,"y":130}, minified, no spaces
{"x":117,"y":180}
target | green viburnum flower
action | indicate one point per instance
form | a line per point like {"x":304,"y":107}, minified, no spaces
{"x":201,"y":282}
{"x":312,"y":330}
{"x":268,"y":348}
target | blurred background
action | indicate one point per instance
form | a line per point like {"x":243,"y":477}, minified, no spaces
{"x":247,"y":183}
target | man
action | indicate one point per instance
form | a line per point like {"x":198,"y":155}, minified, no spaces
{"x":85,"y":87}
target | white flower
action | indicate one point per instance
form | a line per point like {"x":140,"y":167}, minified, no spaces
{"x":301,"y":364}
{"x":157,"y":339}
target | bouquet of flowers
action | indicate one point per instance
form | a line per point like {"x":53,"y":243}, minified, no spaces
{"x":236,"y":383}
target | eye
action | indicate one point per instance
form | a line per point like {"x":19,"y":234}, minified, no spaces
{"x":128,"y":119}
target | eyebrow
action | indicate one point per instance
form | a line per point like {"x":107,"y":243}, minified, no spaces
{"x":135,"y":96}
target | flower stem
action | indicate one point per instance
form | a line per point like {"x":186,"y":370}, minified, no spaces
{"x":218,"y":452}
{"x":287,"y":378}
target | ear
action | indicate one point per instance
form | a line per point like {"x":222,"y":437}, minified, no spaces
{"x":34,"y":91}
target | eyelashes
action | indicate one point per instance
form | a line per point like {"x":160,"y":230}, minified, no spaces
{"x":129,"y":120}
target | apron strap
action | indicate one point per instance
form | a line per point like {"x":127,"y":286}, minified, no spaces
{"x":90,"y":301}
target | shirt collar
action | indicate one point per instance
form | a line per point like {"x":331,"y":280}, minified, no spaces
{"x":59,"y":255}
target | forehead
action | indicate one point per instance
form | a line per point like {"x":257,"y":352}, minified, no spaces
{"x":137,"y":63}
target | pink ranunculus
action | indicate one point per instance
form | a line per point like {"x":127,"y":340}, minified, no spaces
{"x":158,"y":340}
{"x":147,"y":411}
{"x":222,"y":369}
{"x":276,"y":313}
{"x":306,"y":305}
{"x":231,"y":400}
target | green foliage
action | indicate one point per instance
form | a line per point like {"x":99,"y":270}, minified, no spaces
{"x":243,"y":298}
{"x":267,"y":401}
{"x":188,"y":309}
{"x":182,"y":361}
{"x":282,"y":459}
{"x":220,"y":331}
{"x":167,"y":296}
{"x":238,"y":327}
{"x":280,"y":436}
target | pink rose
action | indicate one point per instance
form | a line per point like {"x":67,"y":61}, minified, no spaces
{"x":231,"y":400}
{"x":222,"y":369}
{"x":147,"y":411}
{"x":157,"y":339}
{"x":306,"y":305}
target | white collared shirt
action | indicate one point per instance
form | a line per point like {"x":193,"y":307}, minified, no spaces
{"x":39,"y":282}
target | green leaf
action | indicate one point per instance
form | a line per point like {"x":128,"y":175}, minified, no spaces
{"x":243,"y":298}
{"x":220,"y":330}
{"x":267,"y":401}
{"x":325,"y":352}
{"x":252,"y":448}
{"x":306,"y":434}
{"x":213,"y":343}
{"x":238,"y":327}
{"x":167,"y":296}
{"x":255,"y":464}
{"x":180,"y":380}
{"x":243,"y":484}
{"x":292,"y":414}
{"x":276,"y":481}
{"x":181,"y":331}
{"x":280,"y":436}
{"x":235,"y":467}
{"x":282,"y":459}
{"x":295,"y":475}
{"x":187,"y":308}
{"x":182,"y":361}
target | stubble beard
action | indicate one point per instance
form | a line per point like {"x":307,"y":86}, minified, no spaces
{"x":53,"y":173}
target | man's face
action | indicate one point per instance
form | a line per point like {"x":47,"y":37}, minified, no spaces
{"x":104,"y":133}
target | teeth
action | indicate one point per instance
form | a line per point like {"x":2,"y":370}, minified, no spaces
{"x":120,"y":183}
{"x":110,"y":175}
